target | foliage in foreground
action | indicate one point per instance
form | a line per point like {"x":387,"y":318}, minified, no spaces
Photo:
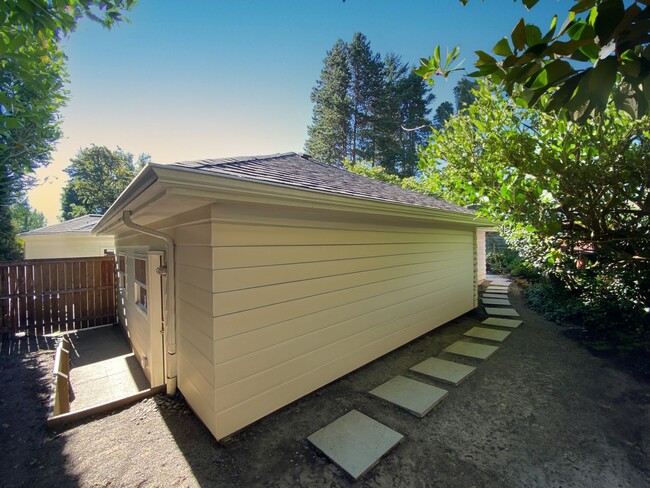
{"x":32,"y":88}
{"x":97,"y":177}
{"x":573,"y":200}
{"x":600,"y":54}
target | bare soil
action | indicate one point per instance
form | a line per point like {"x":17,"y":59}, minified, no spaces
{"x":541,"y":412}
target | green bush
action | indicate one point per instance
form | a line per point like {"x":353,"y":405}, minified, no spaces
{"x":610,"y":323}
{"x":508,"y":261}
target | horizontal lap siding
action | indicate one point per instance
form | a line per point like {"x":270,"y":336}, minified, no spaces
{"x":195,"y":350}
{"x":297,"y":305}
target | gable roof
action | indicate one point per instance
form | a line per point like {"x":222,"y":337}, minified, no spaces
{"x":84,"y":224}
{"x":303,"y":172}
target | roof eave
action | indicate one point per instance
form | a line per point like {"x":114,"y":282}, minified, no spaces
{"x":228,"y":187}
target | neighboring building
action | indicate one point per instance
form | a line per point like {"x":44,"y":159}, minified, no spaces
{"x":69,"y":239}
{"x":272,"y":276}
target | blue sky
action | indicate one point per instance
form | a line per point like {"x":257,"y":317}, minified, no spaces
{"x":191,"y":79}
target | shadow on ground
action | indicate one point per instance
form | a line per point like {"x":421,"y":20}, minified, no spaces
{"x":31,"y":456}
{"x":541,"y":412}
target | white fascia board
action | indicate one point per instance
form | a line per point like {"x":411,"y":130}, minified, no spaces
{"x":205,"y":184}
{"x":187,"y":182}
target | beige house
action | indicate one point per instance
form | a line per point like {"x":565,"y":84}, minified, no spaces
{"x":250,"y":282}
{"x":69,"y":239}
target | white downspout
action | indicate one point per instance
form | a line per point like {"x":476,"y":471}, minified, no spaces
{"x":170,"y":329}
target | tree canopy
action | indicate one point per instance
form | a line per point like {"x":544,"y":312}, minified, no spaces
{"x":574,"y":199}
{"x":32,"y":86}
{"x":364,"y":108}
{"x":601,"y":53}
{"x":97,"y":177}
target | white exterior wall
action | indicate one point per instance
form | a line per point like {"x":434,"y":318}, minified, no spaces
{"x":145,"y":340}
{"x":52,"y":246}
{"x":481,"y":264}
{"x":301,"y":298}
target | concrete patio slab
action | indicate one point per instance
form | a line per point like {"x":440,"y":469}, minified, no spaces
{"x":499,"y":322}
{"x":414,"y":396}
{"x":507,"y":312}
{"x":496,"y":301}
{"x":355,"y":442}
{"x":488,"y":334}
{"x":446,"y":371}
{"x":103,"y":368}
{"x":472,"y":350}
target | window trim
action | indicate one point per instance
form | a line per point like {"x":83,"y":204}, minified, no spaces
{"x":138,"y":286}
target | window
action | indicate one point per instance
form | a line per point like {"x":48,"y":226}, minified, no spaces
{"x":121,"y":271}
{"x":141,"y":283}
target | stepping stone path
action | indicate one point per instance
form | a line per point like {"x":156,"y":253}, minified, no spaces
{"x":355,"y":442}
{"x":471,"y":349}
{"x":487,"y":334}
{"x":445,"y":371}
{"x":499,"y":322}
{"x":414,"y":396}
{"x":507,"y":312}
{"x":496,"y":301}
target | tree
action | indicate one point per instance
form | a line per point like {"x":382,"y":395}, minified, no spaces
{"x":32,"y":79}
{"x":463,"y":93}
{"x":364,"y":108}
{"x":25,"y":218}
{"x":559,"y":189}
{"x":366,"y":85}
{"x":328,"y":135}
{"x":600,"y":53}
{"x":443,"y":113}
{"x":97,"y":177}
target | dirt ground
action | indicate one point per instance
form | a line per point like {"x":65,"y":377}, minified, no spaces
{"x":541,"y":412}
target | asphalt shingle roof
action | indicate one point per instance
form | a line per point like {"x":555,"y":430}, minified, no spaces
{"x":80,"y":224}
{"x":294,"y":170}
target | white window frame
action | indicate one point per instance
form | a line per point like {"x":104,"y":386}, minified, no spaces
{"x":121,"y":273}
{"x":139,"y":286}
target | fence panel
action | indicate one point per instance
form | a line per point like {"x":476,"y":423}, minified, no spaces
{"x":41,"y":296}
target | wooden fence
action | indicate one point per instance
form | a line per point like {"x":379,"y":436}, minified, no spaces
{"x":43,"y":296}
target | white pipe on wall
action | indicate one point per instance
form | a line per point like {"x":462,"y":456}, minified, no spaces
{"x":170,"y":320}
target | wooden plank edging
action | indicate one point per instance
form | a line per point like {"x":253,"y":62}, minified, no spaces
{"x":64,"y":418}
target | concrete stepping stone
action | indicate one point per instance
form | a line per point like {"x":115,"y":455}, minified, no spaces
{"x":414,"y":396}
{"x":501,"y":291}
{"x":499,"y":322}
{"x":355,"y":442}
{"x":495,"y":295}
{"x":499,"y":283}
{"x":496,"y":301}
{"x":488,"y":334}
{"x":507,"y":312}
{"x":472,"y":350}
{"x":446,"y":371}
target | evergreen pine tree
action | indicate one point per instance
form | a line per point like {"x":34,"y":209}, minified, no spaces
{"x":443,"y":113}
{"x":328,"y":135}
{"x":415,"y":99}
{"x":366,"y":86}
{"x":362,"y":105}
